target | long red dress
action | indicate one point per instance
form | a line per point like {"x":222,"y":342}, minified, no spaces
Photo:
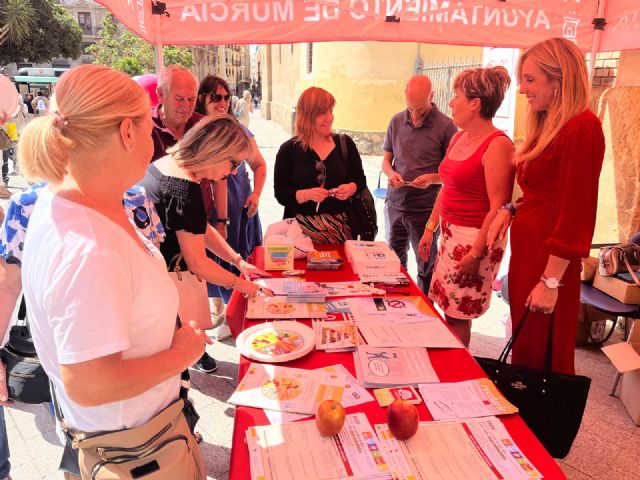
{"x":556,"y":215}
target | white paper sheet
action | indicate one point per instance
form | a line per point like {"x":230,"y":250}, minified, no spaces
{"x":387,"y":367}
{"x":287,"y":389}
{"x":428,"y":334}
{"x":465,"y":450}
{"x":468,"y":399}
{"x":279,"y":307}
{"x":353,"y":394}
{"x":296,"y":451}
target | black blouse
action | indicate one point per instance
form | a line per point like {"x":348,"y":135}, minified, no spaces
{"x":180,"y":207}
{"x":295,"y":170}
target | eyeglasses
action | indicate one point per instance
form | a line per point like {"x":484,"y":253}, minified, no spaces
{"x":216,"y":97}
{"x":235,"y":164}
{"x":321,"y":168}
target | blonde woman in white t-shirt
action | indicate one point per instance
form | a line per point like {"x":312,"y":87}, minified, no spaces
{"x":102,"y":309}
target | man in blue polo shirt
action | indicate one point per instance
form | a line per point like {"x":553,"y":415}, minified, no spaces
{"x":415,"y":144}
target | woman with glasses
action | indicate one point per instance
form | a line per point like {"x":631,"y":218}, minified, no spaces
{"x":212,"y":149}
{"x":313,"y":179}
{"x":234,"y":212}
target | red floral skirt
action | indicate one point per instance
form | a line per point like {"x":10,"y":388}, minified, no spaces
{"x":471,"y":297}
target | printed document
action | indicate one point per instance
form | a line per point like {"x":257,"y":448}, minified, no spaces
{"x":295,"y":451}
{"x":473,"y":449}
{"x":388,"y":367}
{"x":288,"y":389}
{"x":353,"y":394}
{"x":468,"y":399}
{"x":279,"y":307}
{"x":428,"y":334}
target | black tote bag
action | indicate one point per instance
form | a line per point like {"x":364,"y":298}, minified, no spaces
{"x":551,"y":404}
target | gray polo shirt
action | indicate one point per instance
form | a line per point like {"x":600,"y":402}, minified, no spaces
{"x":416,"y":151}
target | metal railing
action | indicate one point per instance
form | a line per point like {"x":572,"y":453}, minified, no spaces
{"x":442,"y":75}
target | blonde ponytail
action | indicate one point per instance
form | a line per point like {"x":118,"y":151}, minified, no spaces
{"x":90,"y":103}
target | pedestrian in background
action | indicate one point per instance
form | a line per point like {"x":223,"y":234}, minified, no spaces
{"x":415,"y":144}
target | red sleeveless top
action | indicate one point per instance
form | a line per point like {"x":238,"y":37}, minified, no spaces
{"x":464,"y":197}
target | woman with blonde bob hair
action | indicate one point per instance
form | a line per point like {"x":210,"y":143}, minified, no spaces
{"x":477,"y":175}
{"x":552,"y":224}
{"x":211,"y":150}
{"x":101,"y":307}
{"x":312,"y":177}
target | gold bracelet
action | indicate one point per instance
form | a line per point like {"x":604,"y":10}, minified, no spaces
{"x":475,"y":255}
{"x":431,"y":226}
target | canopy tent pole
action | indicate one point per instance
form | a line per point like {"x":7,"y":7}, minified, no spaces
{"x":599,"y":23}
{"x":158,"y":9}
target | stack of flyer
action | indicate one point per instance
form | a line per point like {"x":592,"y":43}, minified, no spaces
{"x":296,"y":451}
{"x":327,"y":260}
{"x":335,"y":336}
{"x":371,"y":257}
{"x":280,"y":308}
{"x":305,"y":292}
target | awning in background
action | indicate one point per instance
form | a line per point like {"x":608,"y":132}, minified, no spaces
{"x":510,"y":23}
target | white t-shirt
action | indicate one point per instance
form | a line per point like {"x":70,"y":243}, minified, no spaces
{"x":91,"y":291}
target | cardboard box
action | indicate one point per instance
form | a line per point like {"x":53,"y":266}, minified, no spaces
{"x":630,"y":394}
{"x":619,"y":289}
{"x":626,"y":359}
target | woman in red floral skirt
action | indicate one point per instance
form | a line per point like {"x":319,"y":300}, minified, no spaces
{"x":477,"y":175}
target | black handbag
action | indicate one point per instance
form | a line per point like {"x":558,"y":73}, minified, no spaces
{"x":363,"y":219}
{"x":551,"y":404}
{"x":27,"y":381}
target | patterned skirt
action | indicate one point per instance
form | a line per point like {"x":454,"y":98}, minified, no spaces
{"x":471,"y":297}
{"x":330,"y":228}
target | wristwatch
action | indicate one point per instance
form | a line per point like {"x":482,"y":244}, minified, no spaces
{"x":551,"y":282}
{"x":226,"y":221}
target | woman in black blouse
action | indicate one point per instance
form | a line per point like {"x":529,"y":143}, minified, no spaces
{"x":212,"y":149}
{"x":312,"y":179}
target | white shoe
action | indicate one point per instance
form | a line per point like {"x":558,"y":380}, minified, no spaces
{"x":222,"y":332}
{"x":217,"y":319}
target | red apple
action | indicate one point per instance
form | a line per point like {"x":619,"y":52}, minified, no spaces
{"x":330,"y":417}
{"x":402,"y":418}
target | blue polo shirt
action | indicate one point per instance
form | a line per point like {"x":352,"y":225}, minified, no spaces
{"x":416,"y":151}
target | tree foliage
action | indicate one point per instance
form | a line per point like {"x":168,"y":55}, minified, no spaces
{"x":123,"y":50}
{"x":50,"y":33}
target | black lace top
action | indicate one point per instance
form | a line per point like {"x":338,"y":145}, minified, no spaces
{"x":180,"y":207}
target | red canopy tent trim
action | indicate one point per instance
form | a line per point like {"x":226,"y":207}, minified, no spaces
{"x":594,"y":25}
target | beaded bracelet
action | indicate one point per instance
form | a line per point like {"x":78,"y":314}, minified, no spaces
{"x":510,"y":207}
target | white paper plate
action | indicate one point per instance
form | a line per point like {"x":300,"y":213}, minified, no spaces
{"x":276,"y":342}
{"x":8,"y":97}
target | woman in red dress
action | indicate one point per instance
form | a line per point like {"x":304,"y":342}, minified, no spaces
{"x":558,"y":169}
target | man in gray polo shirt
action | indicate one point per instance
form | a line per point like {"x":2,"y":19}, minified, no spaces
{"x":415,"y":144}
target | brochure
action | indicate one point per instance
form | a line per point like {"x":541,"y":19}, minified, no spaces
{"x":335,"y":336}
{"x":354,"y":394}
{"x":429,"y":333}
{"x":468,"y":399}
{"x":279,"y":307}
{"x":390,"y":367}
{"x":288,"y":389}
{"x":295,"y":451}
{"x":464,"y":450}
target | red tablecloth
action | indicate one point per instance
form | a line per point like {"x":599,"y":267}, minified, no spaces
{"x":450,"y":364}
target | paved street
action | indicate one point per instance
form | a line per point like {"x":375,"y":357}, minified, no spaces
{"x":607,"y":445}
